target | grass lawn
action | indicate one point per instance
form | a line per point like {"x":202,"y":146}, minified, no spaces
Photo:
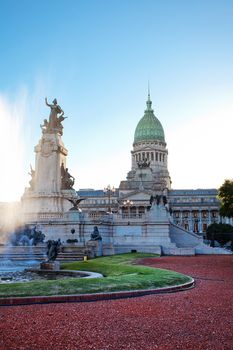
{"x":120,"y":271}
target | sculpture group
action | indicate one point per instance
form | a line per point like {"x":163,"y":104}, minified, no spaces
{"x":56,"y":118}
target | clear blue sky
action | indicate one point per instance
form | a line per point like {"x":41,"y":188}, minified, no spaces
{"x":95,"y":57}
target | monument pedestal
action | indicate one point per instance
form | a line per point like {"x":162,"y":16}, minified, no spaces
{"x":50,"y":265}
{"x":96,"y":248}
{"x":51,"y":183}
{"x":158,"y":226}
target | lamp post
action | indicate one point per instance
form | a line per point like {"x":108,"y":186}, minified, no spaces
{"x":109,"y":190}
{"x":128,"y":204}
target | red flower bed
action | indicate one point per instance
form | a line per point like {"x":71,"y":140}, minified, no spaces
{"x":201,"y":318}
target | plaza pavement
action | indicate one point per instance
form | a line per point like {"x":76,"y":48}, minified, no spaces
{"x":200,"y":318}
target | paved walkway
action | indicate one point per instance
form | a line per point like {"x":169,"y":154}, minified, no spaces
{"x":201,"y":318}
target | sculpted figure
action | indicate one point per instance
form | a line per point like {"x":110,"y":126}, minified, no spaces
{"x":56,"y":118}
{"x":53,"y":248}
{"x":55,"y":110}
{"x":67,"y":180}
{"x":45,"y":125}
{"x":151,"y":199}
{"x":164,"y":200}
{"x":32,"y":181}
{"x":143,"y":164}
{"x":36,"y":236}
{"x":157,"y":198}
{"x":95,"y":236}
{"x":75,"y":202}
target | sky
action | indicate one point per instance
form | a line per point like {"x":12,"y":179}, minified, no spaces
{"x":96,"y":57}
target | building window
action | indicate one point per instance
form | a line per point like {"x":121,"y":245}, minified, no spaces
{"x":152,"y":155}
{"x":204,"y":227}
{"x":133,"y":212}
{"x":143,"y":155}
{"x":186,"y":227}
{"x":141,"y":210}
{"x":139,"y":157}
{"x":160,"y":157}
{"x":148,"y":156}
{"x":156,"y":156}
{"x":204,"y":214}
{"x":163,"y":157}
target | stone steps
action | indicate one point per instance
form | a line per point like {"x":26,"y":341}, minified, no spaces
{"x":38,"y":253}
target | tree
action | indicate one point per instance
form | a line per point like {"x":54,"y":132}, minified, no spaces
{"x":225,"y":194}
{"x":222,"y":233}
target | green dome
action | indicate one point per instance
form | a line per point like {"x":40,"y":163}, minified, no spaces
{"x":149,"y":127}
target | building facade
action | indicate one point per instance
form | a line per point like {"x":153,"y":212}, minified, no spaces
{"x":193,"y":210}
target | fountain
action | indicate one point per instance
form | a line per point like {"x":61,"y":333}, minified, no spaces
{"x":44,"y":202}
{"x":29,"y":270}
{"x":19,"y":251}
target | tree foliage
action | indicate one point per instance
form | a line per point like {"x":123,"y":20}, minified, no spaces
{"x":225,"y":194}
{"x":222,"y":233}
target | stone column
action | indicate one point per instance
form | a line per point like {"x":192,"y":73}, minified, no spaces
{"x":191,"y":218}
{"x":209,"y":219}
{"x":200,"y":221}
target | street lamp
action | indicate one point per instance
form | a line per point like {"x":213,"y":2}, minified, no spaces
{"x":128,"y":204}
{"x":109,"y":190}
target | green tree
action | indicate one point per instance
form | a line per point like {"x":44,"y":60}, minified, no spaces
{"x":222,"y":233}
{"x":225,"y":194}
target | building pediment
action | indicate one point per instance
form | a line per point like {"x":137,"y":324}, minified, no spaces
{"x":137,"y":196}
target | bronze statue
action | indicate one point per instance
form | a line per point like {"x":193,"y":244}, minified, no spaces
{"x":156,"y":199}
{"x":75,"y":202}
{"x":67,"y":180}
{"x":95,"y":236}
{"x":143,"y":163}
{"x":53,"y":248}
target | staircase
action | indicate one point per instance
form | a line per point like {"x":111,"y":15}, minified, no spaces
{"x":38,"y":253}
{"x":191,"y":241}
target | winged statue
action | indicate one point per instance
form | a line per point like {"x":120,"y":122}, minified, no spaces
{"x":75,"y":202}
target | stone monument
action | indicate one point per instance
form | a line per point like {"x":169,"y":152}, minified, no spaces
{"x":51,"y":183}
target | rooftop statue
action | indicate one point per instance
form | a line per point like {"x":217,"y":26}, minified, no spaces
{"x":56,"y":118}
